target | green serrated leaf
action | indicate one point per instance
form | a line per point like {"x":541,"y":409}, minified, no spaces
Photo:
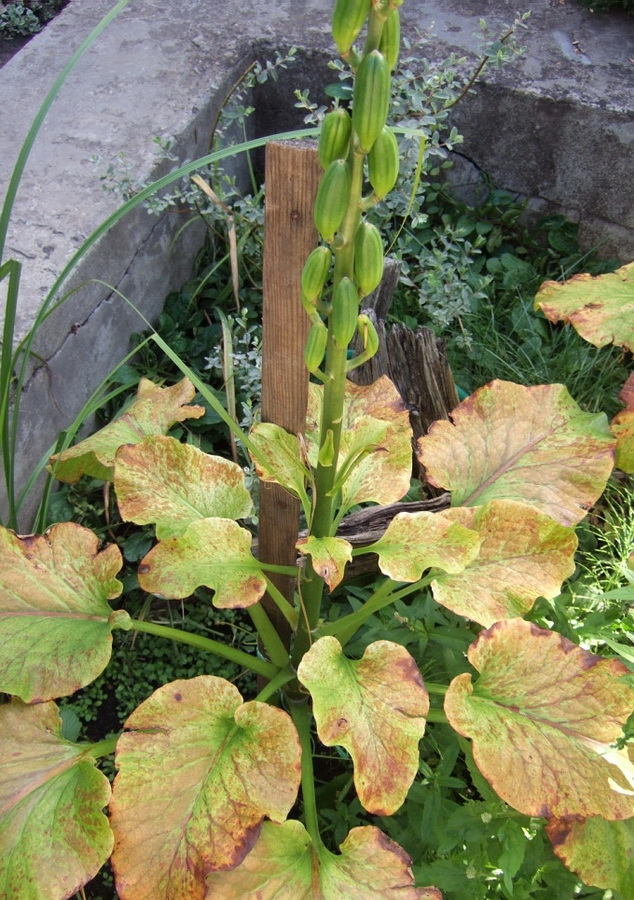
{"x":154,"y":411}
{"x":523,"y":554}
{"x":56,"y":622}
{"x":414,"y":542}
{"x":54,"y":836}
{"x":530,"y":444}
{"x":600,"y":307}
{"x":329,"y":556}
{"x":215,"y":553}
{"x":279,"y":457}
{"x":374,"y":707}
{"x":161,"y":481}
{"x":543,"y":717}
{"x":285,"y":864}
{"x":198,"y":772}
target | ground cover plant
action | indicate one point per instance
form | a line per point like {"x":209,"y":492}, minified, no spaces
{"x":529,"y":724}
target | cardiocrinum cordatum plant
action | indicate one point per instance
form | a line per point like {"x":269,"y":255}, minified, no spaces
{"x":206,"y":779}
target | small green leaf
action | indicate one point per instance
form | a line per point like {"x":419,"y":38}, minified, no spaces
{"x":154,"y":411}
{"x":523,"y":555}
{"x":623,"y":429}
{"x":600,"y":307}
{"x":215,"y":553}
{"x":543,"y":717}
{"x":417,"y":541}
{"x":279,"y":457}
{"x":329,"y":556}
{"x":54,"y":836}
{"x":530,"y":444}
{"x":284,"y":865}
{"x":599,"y":852}
{"x":374,"y":707}
{"x":56,"y":622}
{"x":161,"y":481}
{"x":376,"y":434}
{"x":198,"y":772}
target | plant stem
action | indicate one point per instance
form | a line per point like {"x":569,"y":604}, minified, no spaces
{"x":288,"y":611}
{"x":239,"y":657}
{"x":437,"y":715}
{"x":103,"y":748}
{"x":277,"y":652}
{"x":275,"y":684}
{"x":433,"y":688}
{"x":344,"y":629}
{"x":300,"y":711}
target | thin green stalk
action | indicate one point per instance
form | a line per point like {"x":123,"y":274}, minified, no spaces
{"x":287,"y":609}
{"x":345,"y":628}
{"x":433,"y":688}
{"x":277,"y":652}
{"x":10,"y":270}
{"x":103,"y":748}
{"x":302,"y":718}
{"x":239,"y":657}
{"x":275,"y":684}
{"x":438,"y":716}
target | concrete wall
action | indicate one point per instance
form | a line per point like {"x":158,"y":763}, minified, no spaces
{"x":556,"y":127}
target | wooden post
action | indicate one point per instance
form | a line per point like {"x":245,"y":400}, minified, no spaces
{"x":292,"y":173}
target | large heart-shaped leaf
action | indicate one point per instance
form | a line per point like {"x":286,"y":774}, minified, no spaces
{"x":524,"y":554}
{"x":374,"y":707}
{"x":163,"y":482}
{"x":600,"y":307}
{"x":417,"y":541}
{"x":55,"y":620}
{"x":54,"y":836}
{"x":154,"y":411}
{"x":601,"y":853}
{"x":530,"y":444}
{"x":279,"y":457}
{"x":376,"y":449}
{"x":198,"y":772}
{"x":543,"y":717}
{"x":329,"y":556}
{"x":285,"y":865}
{"x":215,"y":553}
{"x":623,"y":428}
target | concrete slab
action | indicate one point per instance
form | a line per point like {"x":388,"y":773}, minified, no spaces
{"x":557,"y":127}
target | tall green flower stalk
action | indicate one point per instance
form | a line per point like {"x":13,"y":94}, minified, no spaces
{"x":349,"y":264}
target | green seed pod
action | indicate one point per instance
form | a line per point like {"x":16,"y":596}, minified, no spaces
{"x":334,"y":137}
{"x":391,"y":38}
{"x":368,"y":335}
{"x":383,"y":163}
{"x":345,"y":309}
{"x":314,"y":274}
{"x":371,"y":99}
{"x":368,"y":258}
{"x":331,"y":201}
{"x":347,"y":20}
{"x":315,"y":346}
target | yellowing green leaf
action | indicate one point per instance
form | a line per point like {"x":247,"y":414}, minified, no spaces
{"x":374,"y":707}
{"x":279,"y":457}
{"x":600,"y":307}
{"x":284,"y":865}
{"x":54,"y":836}
{"x":54,"y":616}
{"x":329,"y":556}
{"x":154,"y":411}
{"x":623,"y":429}
{"x":215,"y":553}
{"x":601,"y":853}
{"x":543,"y":717}
{"x":530,"y":444}
{"x":376,"y":437}
{"x":417,"y":541}
{"x":198,"y":772}
{"x":524,"y":554}
{"x":161,"y":481}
